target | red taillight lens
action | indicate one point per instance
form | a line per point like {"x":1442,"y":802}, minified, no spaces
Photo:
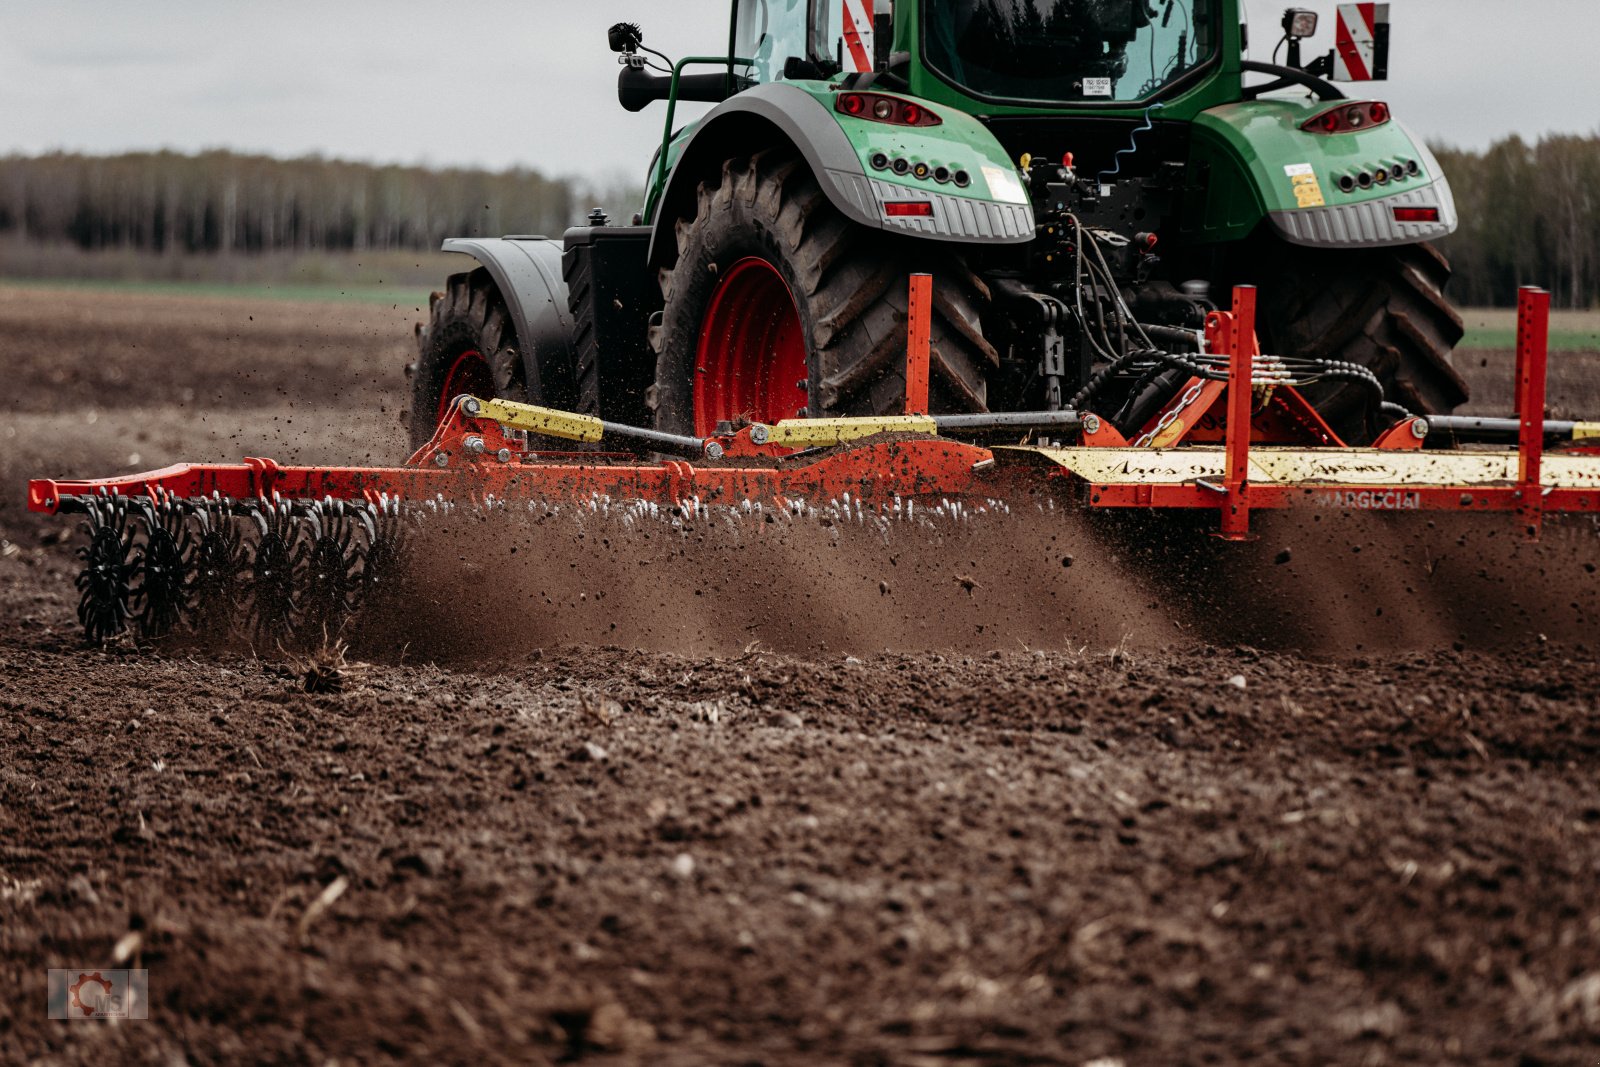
{"x":1416,"y":214}
{"x":1347,"y":117}
{"x":879,"y":108}
{"x":908,"y":209}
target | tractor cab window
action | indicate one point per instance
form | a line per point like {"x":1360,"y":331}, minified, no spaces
{"x":794,"y":38}
{"x":841,"y":33}
{"x":772,"y":32}
{"x":1075,"y":51}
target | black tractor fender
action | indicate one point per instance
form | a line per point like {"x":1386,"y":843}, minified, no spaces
{"x":777,"y":114}
{"x":527,"y":271}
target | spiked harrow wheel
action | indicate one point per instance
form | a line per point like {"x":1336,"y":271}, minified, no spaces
{"x":278,"y":554}
{"x":384,"y":565}
{"x":339,"y":540}
{"x":158,"y":564}
{"x":105,"y":585}
{"x":219,"y":563}
{"x":163,"y":568}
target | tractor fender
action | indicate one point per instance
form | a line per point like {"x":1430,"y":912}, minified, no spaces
{"x":1256,"y":161}
{"x":527,"y":271}
{"x":778,"y":113}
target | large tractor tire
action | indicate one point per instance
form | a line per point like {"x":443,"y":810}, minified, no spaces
{"x":470,"y":345}
{"x":1381,"y":308}
{"x":778,"y":306}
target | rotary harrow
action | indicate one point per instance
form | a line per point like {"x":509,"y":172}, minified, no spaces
{"x":272,"y":550}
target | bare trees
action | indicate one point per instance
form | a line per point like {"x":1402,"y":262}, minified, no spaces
{"x":1530,"y":215}
{"x":221,"y":202}
{"x":1530,"y":212}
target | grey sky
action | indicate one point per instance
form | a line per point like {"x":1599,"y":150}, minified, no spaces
{"x":497,"y":83}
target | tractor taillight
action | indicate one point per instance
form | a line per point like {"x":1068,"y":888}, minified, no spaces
{"x":880,"y":108}
{"x":908,"y":209}
{"x":1347,"y":117}
{"x":1416,"y":214}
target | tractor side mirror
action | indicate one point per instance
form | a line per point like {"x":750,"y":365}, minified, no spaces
{"x":637,"y":88}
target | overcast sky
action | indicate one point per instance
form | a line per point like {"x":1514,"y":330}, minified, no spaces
{"x":496,"y":83}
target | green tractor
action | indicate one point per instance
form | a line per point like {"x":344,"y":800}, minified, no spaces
{"x":1082,"y":179}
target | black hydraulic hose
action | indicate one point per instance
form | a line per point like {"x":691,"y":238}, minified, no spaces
{"x":997,"y":421}
{"x":1098,"y":382}
{"x":666,"y":443}
{"x":1478,"y":426}
{"x":1171,"y":335}
{"x":1327,"y":370}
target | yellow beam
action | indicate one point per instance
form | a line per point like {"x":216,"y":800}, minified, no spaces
{"x":821,"y":433}
{"x":533,"y":419}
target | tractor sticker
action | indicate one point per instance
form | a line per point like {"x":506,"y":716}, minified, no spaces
{"x":1370,"y":500}
{"x":1097,"y":87}
{"x":1307,"y":190}
{"x":1004,"y":185}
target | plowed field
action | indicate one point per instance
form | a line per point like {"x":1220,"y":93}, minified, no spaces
{"x":1026,"y":791}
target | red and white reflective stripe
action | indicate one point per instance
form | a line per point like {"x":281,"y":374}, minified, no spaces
{"x":857,"y":35}
{"x":1354,"y":45}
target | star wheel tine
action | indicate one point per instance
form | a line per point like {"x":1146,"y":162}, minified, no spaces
{"x":220,"y":567}
{"x":333,"y":566}
{"x":273,"y":572}
{"x":163,"y":566}
{"x":105,"y":583}
{"x":387,"y":551}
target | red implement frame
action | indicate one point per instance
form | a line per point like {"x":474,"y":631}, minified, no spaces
{"x":919,"y":341}
{"x":1525,"y":493}
{"x":1241,"y":368}
{"x":876,"y":474}
{"x":482,"y":461}
{"x":1533,"y":345}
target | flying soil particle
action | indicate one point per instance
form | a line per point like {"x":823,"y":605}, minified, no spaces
{"x":985,"y":581}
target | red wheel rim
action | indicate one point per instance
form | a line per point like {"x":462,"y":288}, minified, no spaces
{"x":751,"y":362}
{"x":468,"y":374}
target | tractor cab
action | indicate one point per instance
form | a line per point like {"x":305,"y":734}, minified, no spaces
{"x":1031,"y":52}
{"x":1073,"y":52}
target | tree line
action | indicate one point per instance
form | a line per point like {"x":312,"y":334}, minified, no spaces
{"x":1530,"y":212}
{"x":1530,"y":215}
{"x":220,"y":202}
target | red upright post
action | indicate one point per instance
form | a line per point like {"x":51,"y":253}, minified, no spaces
{"x":1533,"y":351}
{"x":1241,"y":376}
{"x":919,"y":330}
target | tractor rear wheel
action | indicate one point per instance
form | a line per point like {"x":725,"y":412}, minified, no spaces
{"x":469,"y":346}
{"x":1381,"y":308}
{"x":778,"y":306}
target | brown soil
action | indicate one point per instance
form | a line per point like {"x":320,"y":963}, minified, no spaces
{"x":813,"y":799}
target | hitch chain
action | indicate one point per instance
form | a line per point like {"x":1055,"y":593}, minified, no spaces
{"x":1170,"y":416}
